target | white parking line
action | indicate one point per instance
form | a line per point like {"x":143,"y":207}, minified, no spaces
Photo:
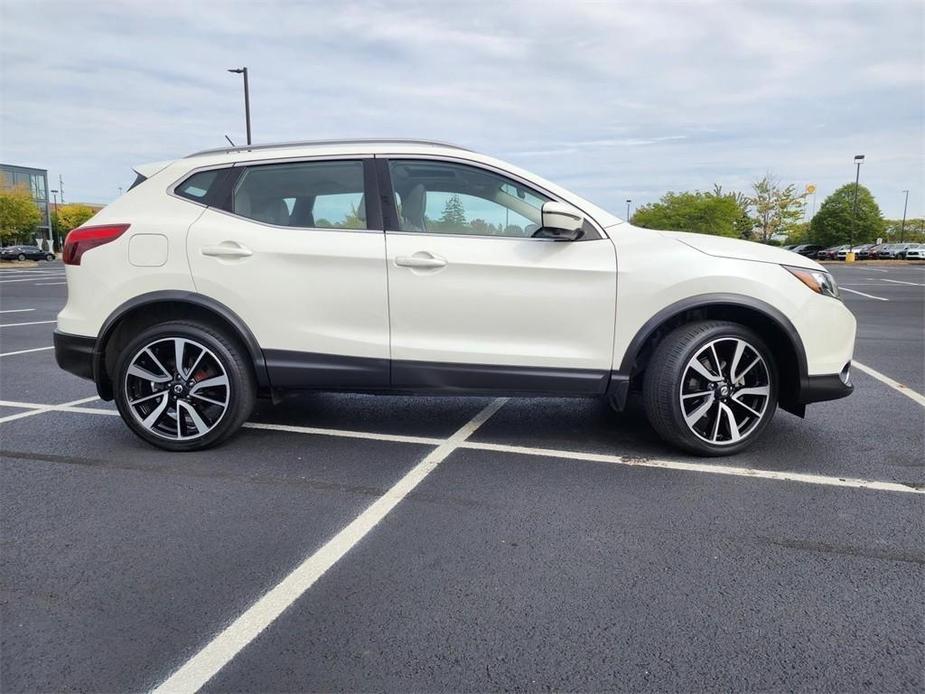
{"x":912,"y":284}
{"x":782,"y":476}
{"x":219,"y":651}
{"x":40,"y":409}
{"x":869,"y":296}
{"x":27,"y":279}
{"x":895,"y":385}
{"x":16,"y":310}
{"x":398,"y":438}
{"x":36,"y":322}
{"x":47,"y":284}
{"x":25,"y":351}
{"x":697,"y":467}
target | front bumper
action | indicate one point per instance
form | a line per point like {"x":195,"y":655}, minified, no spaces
{"x":825,"y":387}
{"x":75,"y":353}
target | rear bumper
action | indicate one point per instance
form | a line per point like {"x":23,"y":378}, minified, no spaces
{"x":75,"y":353}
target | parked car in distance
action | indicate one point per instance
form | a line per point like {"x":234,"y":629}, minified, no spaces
{"x":885,"y":250}
{"x":892,"y":250}
{"x":237,"y":273}
{"x":842,"y":252}
{"x":904,"y":248}
{"x":869,"y":252}
{"x":808,"y":249}
{"x":25,"y":253}
{"x":829,"y":253}
{"x":916,"y":253}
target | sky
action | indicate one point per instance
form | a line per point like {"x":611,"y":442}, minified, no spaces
{"x":613,"y":100}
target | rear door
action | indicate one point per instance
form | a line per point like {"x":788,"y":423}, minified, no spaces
{"x":297,"y":251}
{"x":476,"y":302}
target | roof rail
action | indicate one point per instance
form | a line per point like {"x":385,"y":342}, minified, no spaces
{"x":311,"y":143}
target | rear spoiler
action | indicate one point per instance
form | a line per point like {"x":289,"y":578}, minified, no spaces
{"x":144,"y":171}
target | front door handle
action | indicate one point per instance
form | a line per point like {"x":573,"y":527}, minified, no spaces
{"x":421,"y":260}
{"x":227,"y":249}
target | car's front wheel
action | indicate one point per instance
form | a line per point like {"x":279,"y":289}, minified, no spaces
{"x":21,"y":256}
{"x":710,"y":387}
{"x":183,"y":386}
{"x":49,"y":257}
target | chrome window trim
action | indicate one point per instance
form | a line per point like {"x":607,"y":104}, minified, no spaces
{"x":291,"y":228}
{"x":171,"y":189}
{"x":437,"y":234}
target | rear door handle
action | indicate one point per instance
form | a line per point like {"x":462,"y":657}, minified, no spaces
{"x":227,"y":249}
{"x":421,"y":260}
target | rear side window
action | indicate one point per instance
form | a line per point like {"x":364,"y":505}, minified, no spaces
{"x":319,"y":195}
{"x":197,"y":186}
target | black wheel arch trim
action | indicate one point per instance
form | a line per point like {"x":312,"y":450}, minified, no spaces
{"x":630,"y":357}
{"x":101,"y":378}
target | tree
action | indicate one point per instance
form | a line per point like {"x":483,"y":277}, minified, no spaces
{"x":703,"y":213}
{"x":72,"y":216}
{"x":777,"y":209}
{"x":353,"y":220}
{"x":19,"y":214}
{"x":913,"y":231}
{"x":832,"y":224}
{"x":798,"y":233}
{"x":744,"y":225}
{"x":454,"y":214}
{"x":482,"y":228}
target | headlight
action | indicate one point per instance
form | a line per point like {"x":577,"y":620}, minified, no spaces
{"x":819,"y":281}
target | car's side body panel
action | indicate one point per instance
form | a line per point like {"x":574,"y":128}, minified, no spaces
{"x":655,"y":271}
{"x":305,"y":290}
{"x":106,"y":279}
{"x":502,"y":301}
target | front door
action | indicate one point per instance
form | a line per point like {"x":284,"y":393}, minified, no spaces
{"x":477,"y":303}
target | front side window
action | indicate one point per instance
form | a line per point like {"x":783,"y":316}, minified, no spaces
{"x":321,"y":195}
{"x":447,"y":198}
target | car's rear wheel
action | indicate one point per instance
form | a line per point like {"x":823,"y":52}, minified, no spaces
{"x":21,"y":256}
{"x":49,"y":257}
{"x":183,"y":386}
{"x":711,"y":387}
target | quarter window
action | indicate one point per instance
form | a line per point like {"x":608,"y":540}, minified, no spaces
{"x":323,"y":195}
{"x":197,"y":186}
{"x":448,"y":198}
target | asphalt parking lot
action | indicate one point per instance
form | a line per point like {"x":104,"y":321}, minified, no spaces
{"x":352,"y":542}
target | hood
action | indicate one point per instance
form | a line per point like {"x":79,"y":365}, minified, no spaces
{"x":724,"y":247}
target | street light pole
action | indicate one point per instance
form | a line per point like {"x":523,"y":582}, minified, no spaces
{"x":51,"y":222}
{"x":247,"y":100}
{"x":849,"y":254}
{"x":902,"y":228}
{"x":628,"y":210}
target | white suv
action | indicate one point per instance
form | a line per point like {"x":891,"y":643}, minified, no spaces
{"x":408,"y":266}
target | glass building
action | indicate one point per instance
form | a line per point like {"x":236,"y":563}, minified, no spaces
{"x":36,"y":181}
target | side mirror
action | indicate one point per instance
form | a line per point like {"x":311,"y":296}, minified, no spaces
{"x":561,"y":222}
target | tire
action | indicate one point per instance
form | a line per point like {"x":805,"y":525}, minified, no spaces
{"x":49,"y":257}
{"x":21,"y":256}
{"x":719,"y":416}
{"x":207,"y":405}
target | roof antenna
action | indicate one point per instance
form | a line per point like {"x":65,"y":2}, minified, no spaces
{"x":230,"y":142}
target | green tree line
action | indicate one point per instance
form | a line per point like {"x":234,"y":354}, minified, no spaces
{"x":20,"y":216}
{"x":771,"y":210}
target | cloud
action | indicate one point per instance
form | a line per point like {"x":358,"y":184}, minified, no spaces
{"x":615,"y":100}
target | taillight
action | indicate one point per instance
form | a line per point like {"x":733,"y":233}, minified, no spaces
{"x":82,"y":239}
